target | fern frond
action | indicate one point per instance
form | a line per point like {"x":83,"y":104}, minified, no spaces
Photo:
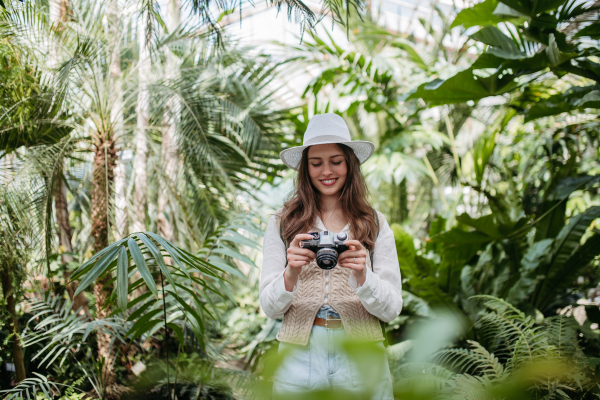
{"x":422,"y":375}
{"x":500,"y":306}
{"x":468,"y":387}
{"x":562,"y":333}
{"x":477,"y":360}
{"x":489,"y":364}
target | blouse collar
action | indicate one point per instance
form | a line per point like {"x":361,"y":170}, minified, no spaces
{"x":321,"y":227}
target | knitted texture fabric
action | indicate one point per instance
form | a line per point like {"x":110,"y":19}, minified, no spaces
{"x":298,"y":320}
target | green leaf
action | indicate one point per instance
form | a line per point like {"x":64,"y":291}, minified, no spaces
{"x":221,"y":263}
{"x":590,"y":100}
{"x":481,"y":14}
{"x":566,"y":186}
{"x":562,"y":277}
{"x":98,"y":268}
{"x":199,"y":324}
{"x":79,"y":271}
{"x":137,"y":313}
{"x":564,"y":247}
{"x":592,"y":31}
{"x":555,"y":56}
{"x":397,"y":351}
{"x":457,"y":236}
{"x":171,"y":250}
{"x":140,"y":323}
{"x":178,"y":331}
{"x":504,"y":11}
{"x":146,"y":327}
{"x":462,"y":87}
{"x":486,"y":224}
{"x":530,"y":275}
{"x":503,"y":46}
{"x":228,"y":251}
{"x":122,"y":278}
{"x":405,"y":247}
{"x":482,"y":151}
{"x":575,"y":97}
{"x":157,"y":257}
{"x":140,"y":263}
{"x":533,"y":8}
{"x":239,"y":239}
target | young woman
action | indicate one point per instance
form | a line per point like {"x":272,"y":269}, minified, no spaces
{"x":321,"y":307}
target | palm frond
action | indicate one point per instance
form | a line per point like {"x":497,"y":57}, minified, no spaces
{"x":32,"y":388}
{"x":60,"y":329}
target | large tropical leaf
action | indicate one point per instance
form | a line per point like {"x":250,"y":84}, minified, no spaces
{"x":481,"y":14}
{"x":567,"y":241}
{"x":464,"y":86}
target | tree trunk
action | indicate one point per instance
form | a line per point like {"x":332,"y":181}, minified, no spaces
{"x":13,"y":323}
{"x":169,"y":140}
{"x":103,"y":175}
{"x":141,"y":141}
{"x":64,"y":238}
{"x":116,"y":115}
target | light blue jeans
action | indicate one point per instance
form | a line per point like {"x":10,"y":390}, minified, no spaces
{"x":323,"y":365}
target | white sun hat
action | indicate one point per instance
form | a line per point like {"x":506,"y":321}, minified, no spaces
{"x":326,"y":129}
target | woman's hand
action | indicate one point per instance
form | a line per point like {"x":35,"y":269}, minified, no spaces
{"x":355,"y":258}
{"x":297,"y":257}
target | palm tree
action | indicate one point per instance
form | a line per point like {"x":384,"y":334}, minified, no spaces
{"x":169,"y":140}
{"x":227,"y":126}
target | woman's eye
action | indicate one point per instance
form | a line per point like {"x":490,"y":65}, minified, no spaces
{"x":316,"y":165}
{"x":336,"y":163}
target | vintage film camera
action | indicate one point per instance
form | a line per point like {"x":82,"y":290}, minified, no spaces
{"x":327,"y":245}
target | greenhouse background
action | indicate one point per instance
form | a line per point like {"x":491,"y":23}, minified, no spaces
{"x":139,"y":167}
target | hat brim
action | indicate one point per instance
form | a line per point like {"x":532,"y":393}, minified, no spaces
{"x":363,"y":150}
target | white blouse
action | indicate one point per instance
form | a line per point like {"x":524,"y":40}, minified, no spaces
{"x":381,"y":294}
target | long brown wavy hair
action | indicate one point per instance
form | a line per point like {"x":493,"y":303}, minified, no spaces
{"x":300,"y":210}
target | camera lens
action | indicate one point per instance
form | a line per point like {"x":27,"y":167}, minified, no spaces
{"x":327,"y":258}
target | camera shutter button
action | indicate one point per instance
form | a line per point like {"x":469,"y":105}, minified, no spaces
{"x":342,"y":236}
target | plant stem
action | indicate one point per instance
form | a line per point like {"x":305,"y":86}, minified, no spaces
{"x":166,"y":333}
{"x":453,"y":142}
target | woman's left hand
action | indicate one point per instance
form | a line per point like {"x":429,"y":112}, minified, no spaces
{"x":355,"y":259}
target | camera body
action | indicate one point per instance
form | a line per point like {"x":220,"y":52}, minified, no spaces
{"x":327,"y":245}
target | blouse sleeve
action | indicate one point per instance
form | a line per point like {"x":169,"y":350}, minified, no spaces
{"x":381,"y":294}
{"x":274,"y":298}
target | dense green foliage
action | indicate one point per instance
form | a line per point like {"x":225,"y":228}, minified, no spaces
{"x":486,"y":166}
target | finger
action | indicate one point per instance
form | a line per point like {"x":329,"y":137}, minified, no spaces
{"x":299,"y":258}
{"x":300,"y":251}
{"x":355,"y":243}
{"x":297,"y":264}
{"x":351,"y":266}
{"x":299,"y":237}
{"x":350,"y":253}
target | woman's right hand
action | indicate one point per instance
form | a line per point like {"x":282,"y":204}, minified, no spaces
{"x":297,"y":257}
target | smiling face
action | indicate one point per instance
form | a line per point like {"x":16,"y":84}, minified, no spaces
{"x":327,"y":168}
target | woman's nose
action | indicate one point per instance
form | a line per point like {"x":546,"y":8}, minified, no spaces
{"x":327,"y":170}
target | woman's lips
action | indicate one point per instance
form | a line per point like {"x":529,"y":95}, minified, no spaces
{"x":329,"y":182}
